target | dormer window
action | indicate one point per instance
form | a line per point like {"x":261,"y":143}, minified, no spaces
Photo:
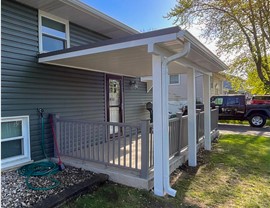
{"x":53,"y":33}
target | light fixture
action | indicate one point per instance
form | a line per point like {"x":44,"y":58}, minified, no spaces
{"x":133,"y":84}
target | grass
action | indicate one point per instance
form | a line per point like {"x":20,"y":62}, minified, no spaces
{"x":241,"y":122}
{"x":235,"y":174}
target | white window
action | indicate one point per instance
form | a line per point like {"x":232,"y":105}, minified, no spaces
{"x":15,"y":141}
{"x":53,"y":33}
{"x":174,"y":79}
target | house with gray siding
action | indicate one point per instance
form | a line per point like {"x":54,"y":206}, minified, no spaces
{"x":90,"y":71}
{"x":72,"y":93}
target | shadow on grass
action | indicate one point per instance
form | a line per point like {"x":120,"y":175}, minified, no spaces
{"x":186,"y":181}
{"x":236,"y":163}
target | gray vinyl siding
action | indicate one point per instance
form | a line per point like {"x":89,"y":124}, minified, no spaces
{"x":135,"y":100}
{"x":27,"y":85}
{"x":81,"y":36}
{"x":73,"y":93}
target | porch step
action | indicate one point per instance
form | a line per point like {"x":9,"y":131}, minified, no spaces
{"x":87,"y":186}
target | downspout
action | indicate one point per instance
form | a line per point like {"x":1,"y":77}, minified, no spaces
{"x":165,"y":149}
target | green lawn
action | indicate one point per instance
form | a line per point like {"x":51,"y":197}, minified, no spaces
{"x":235,"y":174}
{"x":241,"y":122}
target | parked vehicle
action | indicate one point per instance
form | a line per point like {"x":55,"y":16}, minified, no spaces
{"x":260,"y":99}
{"x":198,"y":106}
{"x":234,"y":107}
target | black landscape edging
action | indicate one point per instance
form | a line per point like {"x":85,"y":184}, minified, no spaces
{"x":72,"y":192}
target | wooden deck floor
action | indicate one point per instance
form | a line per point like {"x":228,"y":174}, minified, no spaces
{"x":115,"y":152}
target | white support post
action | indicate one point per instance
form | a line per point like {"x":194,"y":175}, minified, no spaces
{"x":192,"y":146}
{"x":158,"y":124}
{"x":161,"y":121}
{"x":207,"y":112}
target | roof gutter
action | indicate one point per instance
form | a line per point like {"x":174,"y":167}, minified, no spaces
{"x":165,"y":149}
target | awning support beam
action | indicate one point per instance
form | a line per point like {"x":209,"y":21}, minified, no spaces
{"x":161,"y":121}
{"x":192,"y":143}
{"x":157,"y":123}
{"x":207,"y":112}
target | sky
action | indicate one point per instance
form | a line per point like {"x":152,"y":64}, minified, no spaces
{"x":142,"y":15}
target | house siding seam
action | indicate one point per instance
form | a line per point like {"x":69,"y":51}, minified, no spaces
{"x":27,"y":85}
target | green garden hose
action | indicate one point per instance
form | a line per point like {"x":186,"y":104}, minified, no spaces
{"x":40,"y":169}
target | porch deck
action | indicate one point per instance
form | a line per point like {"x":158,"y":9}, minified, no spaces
{"x":124,"y":151}
{"x":112,"y":153}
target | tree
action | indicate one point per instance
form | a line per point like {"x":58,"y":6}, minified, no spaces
{"x":256,"y":88}
{"x":241,"y":27}
{"x":248,"y":84}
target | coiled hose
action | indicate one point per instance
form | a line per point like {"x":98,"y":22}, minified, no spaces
{"x":40,"y":169}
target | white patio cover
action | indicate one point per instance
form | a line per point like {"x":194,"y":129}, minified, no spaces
{"x":156,"y":54}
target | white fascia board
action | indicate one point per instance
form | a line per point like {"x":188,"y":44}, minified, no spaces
{"x":205,"y":51}
{"x":111,"y":47}
{"x":93,"y":12}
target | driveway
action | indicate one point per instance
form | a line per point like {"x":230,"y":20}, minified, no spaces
{"x":243,"y":129}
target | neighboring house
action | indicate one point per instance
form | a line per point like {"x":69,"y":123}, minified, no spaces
{"x":178,"y":91}
{"x":217,"y":84}
{"x":69,"y":59}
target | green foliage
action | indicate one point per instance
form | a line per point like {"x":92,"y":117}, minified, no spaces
{"x":242,"y":30}
{"x":251,"y":82}
{"x":255,"y":85}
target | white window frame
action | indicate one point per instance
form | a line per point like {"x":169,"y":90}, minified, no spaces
{"x":54,"y":18}
{"x":14,"y":161}
{"x":179,"y":79}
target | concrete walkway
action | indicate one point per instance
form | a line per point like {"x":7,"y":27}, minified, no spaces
{"x":243,"y":129}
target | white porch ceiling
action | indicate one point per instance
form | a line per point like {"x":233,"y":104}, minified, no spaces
{"x":130,"y":56}
{"x":130,"y":61}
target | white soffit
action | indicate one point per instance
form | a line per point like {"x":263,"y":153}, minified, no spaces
{"x":83,"y":15}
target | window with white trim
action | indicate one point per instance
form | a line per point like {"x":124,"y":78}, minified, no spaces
{"x":15,"y":141}
{"x":53,"y":33}
{"x":174,"y":79}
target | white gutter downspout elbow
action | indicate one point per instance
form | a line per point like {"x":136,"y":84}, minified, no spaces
{"x":165,"y":149}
